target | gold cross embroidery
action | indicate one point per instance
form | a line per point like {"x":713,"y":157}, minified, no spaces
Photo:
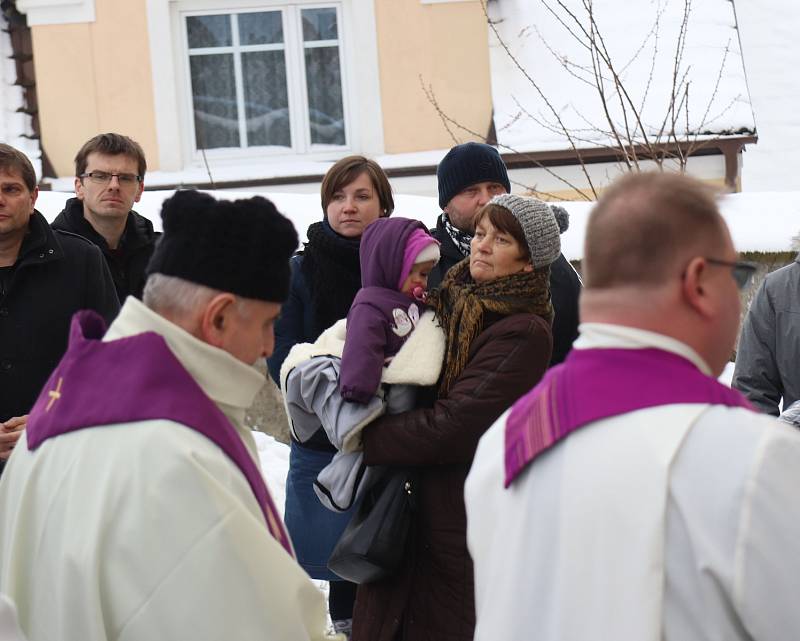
{"x":54,"y":394}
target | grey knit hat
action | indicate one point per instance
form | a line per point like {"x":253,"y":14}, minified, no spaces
{"x":541,"y":223}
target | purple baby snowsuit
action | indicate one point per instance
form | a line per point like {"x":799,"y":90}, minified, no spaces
{"x":381,"y":317}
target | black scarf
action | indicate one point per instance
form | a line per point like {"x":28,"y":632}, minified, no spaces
{"x":333,"y":272}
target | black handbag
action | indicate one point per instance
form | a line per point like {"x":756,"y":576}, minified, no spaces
{"x":374,"y":542}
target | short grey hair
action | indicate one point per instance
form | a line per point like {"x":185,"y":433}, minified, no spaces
{"x":178,"y":297}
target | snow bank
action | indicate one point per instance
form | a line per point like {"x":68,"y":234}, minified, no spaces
{"x":764,"y":222}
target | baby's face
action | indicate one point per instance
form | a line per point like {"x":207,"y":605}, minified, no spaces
{"x":418,"y":277}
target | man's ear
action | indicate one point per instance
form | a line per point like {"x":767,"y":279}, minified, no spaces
{"x":78,"y":188}
{"x":216,"y":320}
{"x":694,"y":287}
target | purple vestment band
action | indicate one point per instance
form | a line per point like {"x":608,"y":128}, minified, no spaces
{"x":136,"y":379}
{"x":593,"y":384}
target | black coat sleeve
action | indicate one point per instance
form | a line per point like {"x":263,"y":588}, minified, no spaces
{"x":565,"y":289}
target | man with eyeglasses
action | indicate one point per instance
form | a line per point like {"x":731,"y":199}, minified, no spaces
{"x":109,"y":179}
{"x":630,"y":495}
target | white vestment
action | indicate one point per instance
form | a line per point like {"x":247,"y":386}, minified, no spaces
{"x":147,"y":530}
{"x":678,"y":522}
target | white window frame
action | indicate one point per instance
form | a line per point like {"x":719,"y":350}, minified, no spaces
{"x":172,"y":91}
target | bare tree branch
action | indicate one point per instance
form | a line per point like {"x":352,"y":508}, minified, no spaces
{"x":432,"y":98}
{"x":446,"y":120}
{"x":625,"y":133}
{"x":541,"y":95}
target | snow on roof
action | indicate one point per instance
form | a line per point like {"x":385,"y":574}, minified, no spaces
{"x":772,"y":57}
{"x":764,"y":222}
{"x":640,"y":38}
{"x":16,"y":127}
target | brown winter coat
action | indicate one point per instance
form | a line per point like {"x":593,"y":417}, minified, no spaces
{"x":432,"y":598}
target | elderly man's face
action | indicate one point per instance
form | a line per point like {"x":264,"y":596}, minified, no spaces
{"x":251,"y":335}
{"x":464,"y":205}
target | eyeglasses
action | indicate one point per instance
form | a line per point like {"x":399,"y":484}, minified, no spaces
{"x":103,"y":178}
{"x":742,"y":271}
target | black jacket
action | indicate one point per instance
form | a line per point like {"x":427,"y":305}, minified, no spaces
{"x":56,"y":274}
{"x":129,"y":261}
{"x":565,"y":287}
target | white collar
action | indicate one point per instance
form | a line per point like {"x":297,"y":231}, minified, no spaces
{"x":605,"y":335}
{"x":231,"y":384}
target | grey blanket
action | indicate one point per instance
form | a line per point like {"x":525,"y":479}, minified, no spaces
{"x":313,"y":400}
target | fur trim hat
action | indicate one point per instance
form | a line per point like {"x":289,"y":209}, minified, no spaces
{"x":542,"y":225}
{"x":468,"y":164}
{"x":242,"y":246}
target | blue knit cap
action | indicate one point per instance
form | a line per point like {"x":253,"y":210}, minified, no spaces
{"x":468,"y":164}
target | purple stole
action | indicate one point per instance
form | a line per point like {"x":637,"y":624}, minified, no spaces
{"x":593,"y":384}
{"x":137,"y":379}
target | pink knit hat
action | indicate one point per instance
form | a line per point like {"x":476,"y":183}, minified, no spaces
{"x":420,"y":247}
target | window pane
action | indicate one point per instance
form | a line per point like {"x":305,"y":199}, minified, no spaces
{"x":324,"y":81}
{"x":265,"y":27}
{"x":209,"y":31}
{"x":319,"y":24}
{"x":216,"y":116}
{"x":266,"y":98}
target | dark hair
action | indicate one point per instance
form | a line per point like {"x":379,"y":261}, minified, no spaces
{"x":346,"y":171}
{"x":504,"y":221}
{"x":111,"y":145}
{"x":14,"y":159}
{"x":645,"y":225}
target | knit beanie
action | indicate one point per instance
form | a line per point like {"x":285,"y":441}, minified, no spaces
{"x":468,"y":164}
{"x":542,"y":225}
{"x":420,"y":248}
{"x":242,"y":247}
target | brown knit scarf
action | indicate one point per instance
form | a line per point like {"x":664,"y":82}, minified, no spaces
{"x":460,"y":305}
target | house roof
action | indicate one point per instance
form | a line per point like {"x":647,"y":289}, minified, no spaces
{"x":543,"y":80}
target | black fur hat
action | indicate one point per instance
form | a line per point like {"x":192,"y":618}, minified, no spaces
{"x":242,"y":246}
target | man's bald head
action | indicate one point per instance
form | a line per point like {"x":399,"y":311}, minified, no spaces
{"x":646,"y":226}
